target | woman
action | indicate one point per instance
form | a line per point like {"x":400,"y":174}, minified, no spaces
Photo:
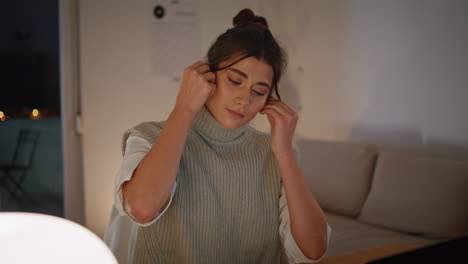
{"x":205,"y":187}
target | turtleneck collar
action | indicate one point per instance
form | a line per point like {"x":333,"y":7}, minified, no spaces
{"x":208,"y":127}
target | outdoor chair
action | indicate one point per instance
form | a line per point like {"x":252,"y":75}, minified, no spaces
{"x":12,"y":175}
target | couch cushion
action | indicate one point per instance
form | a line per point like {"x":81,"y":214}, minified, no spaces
{"x":349,"y":235}
{"x":338,"y":173}
{"x":419,"y":194}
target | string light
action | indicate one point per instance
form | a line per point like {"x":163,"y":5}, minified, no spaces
{"x":35,"y":114}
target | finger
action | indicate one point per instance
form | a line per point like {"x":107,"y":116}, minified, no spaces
{"x":287,"y":108}
{"x":210,"y":77}
{"x":278,"y":109}
{"x":271,"y":113}
{"x":283,"y":106}
{"x":203,"y":68}
{"x":196,"y":64}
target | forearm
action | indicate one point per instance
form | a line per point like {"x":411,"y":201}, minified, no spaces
{"x":308,"y":221}
{"x":150,"y":186}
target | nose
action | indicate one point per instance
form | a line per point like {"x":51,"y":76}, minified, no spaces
{"x":242,"y":96}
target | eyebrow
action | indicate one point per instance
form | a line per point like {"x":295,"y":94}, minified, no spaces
{"x":243,"y":74}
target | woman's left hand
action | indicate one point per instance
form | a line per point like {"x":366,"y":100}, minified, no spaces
{"x":283,"y":121}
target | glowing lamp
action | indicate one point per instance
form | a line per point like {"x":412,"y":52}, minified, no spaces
{"x":35,"y":114}
{"x":40,"y":238}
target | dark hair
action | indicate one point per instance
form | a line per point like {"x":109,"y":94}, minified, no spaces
{"x":249,"y":36}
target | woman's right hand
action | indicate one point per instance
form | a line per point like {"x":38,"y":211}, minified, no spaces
{"x":198,"y":83}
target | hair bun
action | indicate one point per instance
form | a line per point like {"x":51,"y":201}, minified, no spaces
{"x":246,"y":17}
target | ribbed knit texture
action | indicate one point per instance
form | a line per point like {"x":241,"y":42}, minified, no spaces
{"x":225,"y":209}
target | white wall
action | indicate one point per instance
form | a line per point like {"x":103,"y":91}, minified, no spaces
{"x":392,"y":71}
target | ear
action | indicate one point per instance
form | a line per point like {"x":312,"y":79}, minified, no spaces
{"x":213,"y":90}
{"x":264,"y":103}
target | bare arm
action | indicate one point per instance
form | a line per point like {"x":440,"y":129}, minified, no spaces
{"x":308,"y":221}
{"x":151,"y":184}
{"x":150,"y":187}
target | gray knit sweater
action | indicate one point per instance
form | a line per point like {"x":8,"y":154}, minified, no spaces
{"x":225,"y":209}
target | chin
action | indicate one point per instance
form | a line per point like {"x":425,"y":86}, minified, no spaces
{"x":231,"y":125}
{"x":228,"y":121}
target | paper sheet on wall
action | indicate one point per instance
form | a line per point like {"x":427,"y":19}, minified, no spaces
{"x":176,"y":36}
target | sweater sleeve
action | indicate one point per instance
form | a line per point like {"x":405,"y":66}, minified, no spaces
{"x":292,"y":250}
{"x":135,"y":151}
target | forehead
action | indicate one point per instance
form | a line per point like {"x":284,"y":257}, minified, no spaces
{"x":257,"y":70}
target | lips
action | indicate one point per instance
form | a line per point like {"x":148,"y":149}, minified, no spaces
{"x":237,"y":114}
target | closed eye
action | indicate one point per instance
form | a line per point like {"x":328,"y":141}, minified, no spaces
{"x":258,"y":93}
{"x":238,"y":83}
{"x":234,"y":82}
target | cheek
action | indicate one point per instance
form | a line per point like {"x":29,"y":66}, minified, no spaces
{"x":223,"y":90}
{"x":258,"y":105}
{"x":219,"y":94}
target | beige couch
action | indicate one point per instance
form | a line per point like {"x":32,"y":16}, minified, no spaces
{"x":373,"y":196}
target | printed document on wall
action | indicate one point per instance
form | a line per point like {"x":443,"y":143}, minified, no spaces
{"x":176,"y":41}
